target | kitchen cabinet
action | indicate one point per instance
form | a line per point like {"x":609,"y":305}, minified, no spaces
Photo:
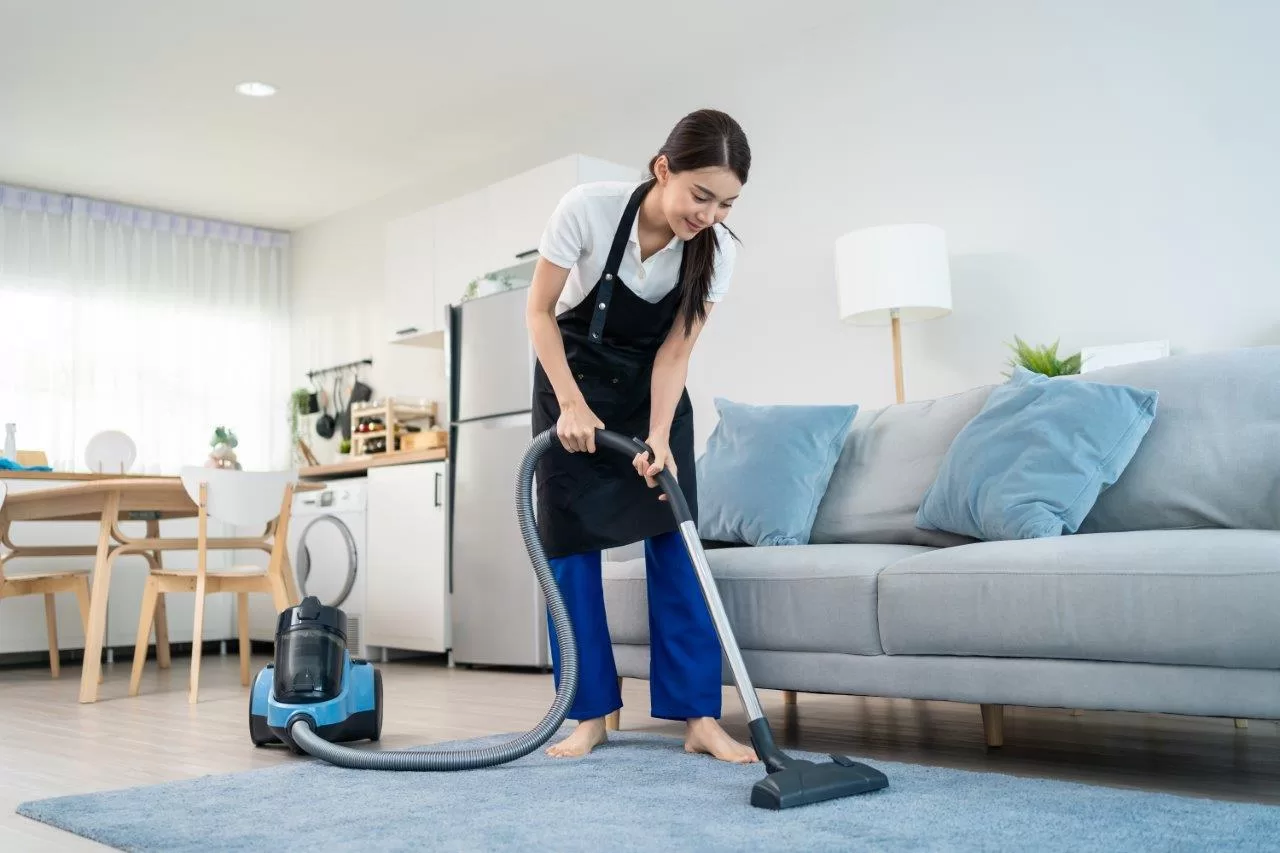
{"x":433,"y":254}
{"x":407,"y":585}
{"x":409,"y":280}
{"x":522,"y":205}
{"x":462,"y":247}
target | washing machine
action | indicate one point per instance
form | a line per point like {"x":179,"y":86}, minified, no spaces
{"x":328,"y":552}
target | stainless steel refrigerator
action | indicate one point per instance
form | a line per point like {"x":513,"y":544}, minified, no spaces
{"x":498,"y":612}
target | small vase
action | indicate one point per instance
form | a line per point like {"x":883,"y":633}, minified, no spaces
{"x":222,"y":456}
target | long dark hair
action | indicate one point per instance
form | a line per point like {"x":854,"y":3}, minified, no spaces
{"x":702,"y":139}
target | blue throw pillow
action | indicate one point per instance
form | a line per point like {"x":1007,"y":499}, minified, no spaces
{"x":766,"y":469}
{"x":1033,"y":461}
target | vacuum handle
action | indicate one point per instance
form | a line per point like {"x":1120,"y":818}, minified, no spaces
{"x":629,"y":447}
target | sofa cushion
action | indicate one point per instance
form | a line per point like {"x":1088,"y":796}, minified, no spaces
{"x":1212,"y":457}
{"x":1190,"y":597}
{"x":1034,"y":460}
{"x":766,"y":468}
{"x":801,"y":598}
{"x":889,"y":459}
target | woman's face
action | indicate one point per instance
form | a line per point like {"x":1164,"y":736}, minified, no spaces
{"x":696,"y":199}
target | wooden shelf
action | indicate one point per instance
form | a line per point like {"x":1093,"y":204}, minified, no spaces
{"x":394,"y":412}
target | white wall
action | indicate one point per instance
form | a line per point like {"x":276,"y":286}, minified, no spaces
{"x":1105,"y":173}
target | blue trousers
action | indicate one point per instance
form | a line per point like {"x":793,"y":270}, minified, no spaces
{"x":684,"y":651}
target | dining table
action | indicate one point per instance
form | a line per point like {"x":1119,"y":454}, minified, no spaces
{"x":111,"y":501}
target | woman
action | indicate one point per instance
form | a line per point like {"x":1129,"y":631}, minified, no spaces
{"x":626,"y":278}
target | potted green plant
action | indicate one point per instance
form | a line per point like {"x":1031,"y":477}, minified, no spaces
{"x":489,"y":284}
{"x":299,"y":404}
{"x":1042,"y":359}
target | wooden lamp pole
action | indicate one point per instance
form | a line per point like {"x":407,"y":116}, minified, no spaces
{"x":896,"y":325}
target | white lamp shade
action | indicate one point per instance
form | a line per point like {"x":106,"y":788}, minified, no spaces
{"x":889,"y":267}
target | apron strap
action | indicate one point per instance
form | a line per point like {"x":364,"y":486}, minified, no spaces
{"x":605,"y":293}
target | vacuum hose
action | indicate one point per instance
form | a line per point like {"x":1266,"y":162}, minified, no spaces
{"x":344,"y":756}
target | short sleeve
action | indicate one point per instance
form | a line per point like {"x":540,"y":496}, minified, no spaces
{"x":722,"y":272}
{"x":564,"y":239}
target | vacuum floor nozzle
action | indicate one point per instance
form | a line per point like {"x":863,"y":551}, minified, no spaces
{"x":804,"y":782}
{"x":799,"y":782}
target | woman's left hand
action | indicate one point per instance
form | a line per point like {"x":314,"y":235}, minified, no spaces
{"x":661,"y":459}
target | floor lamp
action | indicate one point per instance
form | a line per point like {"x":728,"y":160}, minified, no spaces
{"x":893,"y":274}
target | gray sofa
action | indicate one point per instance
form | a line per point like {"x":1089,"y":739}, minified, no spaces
{"x":1165,"y":601}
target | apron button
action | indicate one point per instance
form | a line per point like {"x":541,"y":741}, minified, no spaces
{"x":615,"y":380}
{"x":602,"y":305}
{"x":608,"y":276}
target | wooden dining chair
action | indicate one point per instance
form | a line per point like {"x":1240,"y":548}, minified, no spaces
{"x":238,"y":499}
{"x":47,"y":584}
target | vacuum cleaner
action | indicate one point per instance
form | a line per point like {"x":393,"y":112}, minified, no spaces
{"x":315,"y":697}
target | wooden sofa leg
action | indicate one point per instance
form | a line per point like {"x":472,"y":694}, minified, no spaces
{"x":993,"y":724}
{"x":788,"y":697}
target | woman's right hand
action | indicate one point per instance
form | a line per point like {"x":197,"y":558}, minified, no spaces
{"x":577,"y":427}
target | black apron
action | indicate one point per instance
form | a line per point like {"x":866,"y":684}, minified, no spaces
{"x":591,"y":501}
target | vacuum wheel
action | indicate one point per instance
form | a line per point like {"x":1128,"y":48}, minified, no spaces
{"x":259,"y":732}
{"x":377,"y":705}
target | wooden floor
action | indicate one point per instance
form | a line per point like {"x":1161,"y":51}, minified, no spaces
{"x":52,"y":745}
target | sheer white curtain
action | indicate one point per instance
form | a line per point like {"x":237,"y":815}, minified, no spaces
{"x":162,"y":326}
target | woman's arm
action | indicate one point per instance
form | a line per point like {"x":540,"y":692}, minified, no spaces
{"x":577,"y":424}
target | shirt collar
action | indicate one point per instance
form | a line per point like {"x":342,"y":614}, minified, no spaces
{"x":635,"y":236}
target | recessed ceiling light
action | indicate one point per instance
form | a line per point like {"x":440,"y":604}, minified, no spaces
{"x":256,"y":90}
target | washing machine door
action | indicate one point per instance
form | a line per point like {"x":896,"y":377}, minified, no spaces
{"x":326,"y":560}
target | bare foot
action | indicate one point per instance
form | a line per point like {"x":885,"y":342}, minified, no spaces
{"x":587,"y":736}
{"x":705,"y":735}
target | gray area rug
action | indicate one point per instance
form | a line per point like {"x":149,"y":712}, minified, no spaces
{"x":640,"y":792}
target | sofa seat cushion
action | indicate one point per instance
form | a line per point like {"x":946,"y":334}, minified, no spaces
{"x":799,"y":598}
{"x":1187,"y":597}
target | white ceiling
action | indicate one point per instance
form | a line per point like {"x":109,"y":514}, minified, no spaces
{"x":133,"y":100}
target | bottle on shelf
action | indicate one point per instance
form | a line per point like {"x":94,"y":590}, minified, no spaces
{"x":11,"y":442}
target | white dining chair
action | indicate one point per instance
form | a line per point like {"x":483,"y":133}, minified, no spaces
{"x":238,"y":499}
{"x":110,"y":452}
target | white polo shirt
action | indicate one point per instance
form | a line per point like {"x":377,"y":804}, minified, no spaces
{"x":580,"y":233}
